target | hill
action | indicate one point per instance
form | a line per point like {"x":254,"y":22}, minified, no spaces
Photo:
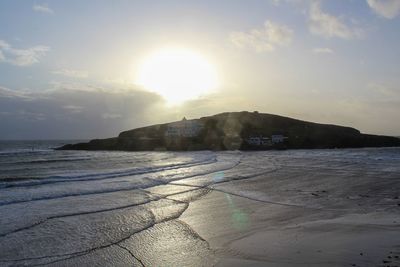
{"x":237,"y":130}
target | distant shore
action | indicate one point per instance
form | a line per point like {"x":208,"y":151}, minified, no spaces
{"x":237,"y":131}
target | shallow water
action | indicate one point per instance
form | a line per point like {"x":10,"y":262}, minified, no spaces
{"x":64,"y":207}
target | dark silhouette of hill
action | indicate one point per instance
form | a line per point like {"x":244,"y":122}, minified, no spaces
{"x":228,"y":131}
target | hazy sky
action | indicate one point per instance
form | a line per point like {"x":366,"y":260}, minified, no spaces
{"x":67,"y":68}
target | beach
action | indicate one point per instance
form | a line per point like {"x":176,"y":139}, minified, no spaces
{"x":336,"y":207}
{"x":200,"y":133}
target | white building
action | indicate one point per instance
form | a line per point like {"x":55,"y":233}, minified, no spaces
{"x":277,"y":138}
{"x":183,"y":128}
{"x":258,"y":141}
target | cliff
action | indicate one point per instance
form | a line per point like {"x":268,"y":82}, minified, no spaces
{"x":230,"y":130}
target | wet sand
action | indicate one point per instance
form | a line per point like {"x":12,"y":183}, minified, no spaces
{"x":304,"y":215}
{"x":304,"y":208}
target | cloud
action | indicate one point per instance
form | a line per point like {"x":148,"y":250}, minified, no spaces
{"x":263,"y":39}
{"x":72,"y":73}
{"x":322,"y":50}
{"x":42,"y":8}
{"x":329,"y":26}
{"x":385,"y":8}
{"x":27,"y":57}
{"x":8,"y":93}
{"x":278,"y":2}
{"x":68,"y":113}
{"x":384,"y":90}
{"x":72,"y":86}
{"x":73,"y":109}
{"x":111,"y":116}
{"x":3,"y":46}
{"x":21,"y":57}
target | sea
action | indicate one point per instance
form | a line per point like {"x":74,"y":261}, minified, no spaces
{"x":37,"y":161}
{"x":62,"y":207}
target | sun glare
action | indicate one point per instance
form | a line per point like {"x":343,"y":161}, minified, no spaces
{"x":177,"y":75}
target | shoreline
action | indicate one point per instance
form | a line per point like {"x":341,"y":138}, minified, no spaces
{"x":296,"y":208}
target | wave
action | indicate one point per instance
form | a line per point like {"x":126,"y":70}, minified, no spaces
{"x":139,"y":183}
{"x":20,"y":152}
{"x":105,"y":175}
{"x":41,"y":161}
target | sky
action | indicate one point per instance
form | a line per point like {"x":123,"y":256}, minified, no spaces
{"x":68,"y":68}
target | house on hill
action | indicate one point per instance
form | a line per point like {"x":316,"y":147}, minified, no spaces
{"x":278,"y":138}
{"x":259,"y":141}
{"x":183,"y":128}
{"x":262,"y":141}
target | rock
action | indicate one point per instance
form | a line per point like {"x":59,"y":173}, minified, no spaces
{"x":228,"y":131}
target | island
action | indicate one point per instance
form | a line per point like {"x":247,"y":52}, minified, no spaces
{"x":237,"y":131}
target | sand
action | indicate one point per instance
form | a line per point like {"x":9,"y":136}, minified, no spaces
{"x":270,"y":209}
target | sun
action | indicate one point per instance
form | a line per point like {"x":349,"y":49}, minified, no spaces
{"x":177,"y":74}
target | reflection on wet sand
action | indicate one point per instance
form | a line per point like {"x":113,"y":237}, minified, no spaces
{"x":239,"y":218}
{"x":322,"y":207}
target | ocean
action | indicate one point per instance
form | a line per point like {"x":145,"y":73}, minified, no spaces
{"x":80,"y":208}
